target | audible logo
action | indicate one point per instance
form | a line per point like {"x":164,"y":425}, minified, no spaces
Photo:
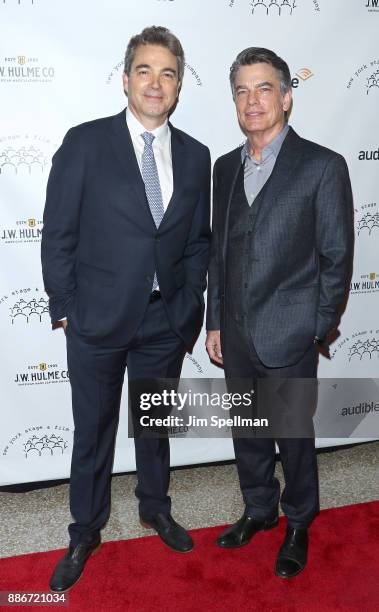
{"x":361,"y":408}
{"x":369,"y":155}
{"x":303,"y":74}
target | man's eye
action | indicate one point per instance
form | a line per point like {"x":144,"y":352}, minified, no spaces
{"x":168,"y":75}
{"x":241,"y":92}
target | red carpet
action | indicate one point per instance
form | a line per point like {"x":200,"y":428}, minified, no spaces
{"x":143,"y":575}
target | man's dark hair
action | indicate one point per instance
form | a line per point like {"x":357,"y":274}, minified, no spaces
{"x":257,"y":55}
{"x":155,"y":35}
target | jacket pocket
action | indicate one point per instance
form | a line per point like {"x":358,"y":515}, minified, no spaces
{"x":300,"y":295}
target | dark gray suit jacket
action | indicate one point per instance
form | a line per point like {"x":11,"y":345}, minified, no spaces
{"x":302,"y":249}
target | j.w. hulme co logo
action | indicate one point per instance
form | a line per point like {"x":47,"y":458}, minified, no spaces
{"x":23,"y":231}
{"x":41,"y":374}
{"x":25,"y":69}
{"x":372,"y":6}
{"x":366,"y":283}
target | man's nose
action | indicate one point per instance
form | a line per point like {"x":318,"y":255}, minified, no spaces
{"x":155,"y":81}
{"x":252,"y":97}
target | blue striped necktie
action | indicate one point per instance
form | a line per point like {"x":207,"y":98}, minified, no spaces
{"x":152,"y":185}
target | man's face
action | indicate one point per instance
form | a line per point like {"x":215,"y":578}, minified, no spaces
{"x":259,"y":102}
{"x":152,"y":85}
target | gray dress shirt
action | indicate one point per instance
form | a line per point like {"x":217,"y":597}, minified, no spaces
{"x":257,"y":173}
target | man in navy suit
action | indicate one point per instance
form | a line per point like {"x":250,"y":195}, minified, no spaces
{"x":125,"y":250}
{"x":280,"y":265}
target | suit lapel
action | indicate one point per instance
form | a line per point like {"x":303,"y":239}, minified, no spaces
{"x":124,"y":150}
{"x":178,"y":155}
{"x":282,"y":173}
{"x":234,"y":168}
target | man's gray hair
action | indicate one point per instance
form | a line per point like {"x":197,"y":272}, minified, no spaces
{"x":257,"y":55}
{"x":155,"y":35}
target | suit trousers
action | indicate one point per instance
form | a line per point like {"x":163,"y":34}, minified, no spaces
{"x":96,"y":376}
{"x":255,"y":456}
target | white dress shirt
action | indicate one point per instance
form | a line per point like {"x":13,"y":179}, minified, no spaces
{"x":161,"y":149}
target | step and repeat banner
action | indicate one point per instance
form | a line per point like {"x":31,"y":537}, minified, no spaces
{"x":61,"y":63}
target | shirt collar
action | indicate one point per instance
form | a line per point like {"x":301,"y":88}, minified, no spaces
{"x":272,"y":148}
{"x":161,"y":133}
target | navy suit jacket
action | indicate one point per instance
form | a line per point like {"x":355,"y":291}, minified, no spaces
{"x":301,"y":249}
{"x":100,"y":246}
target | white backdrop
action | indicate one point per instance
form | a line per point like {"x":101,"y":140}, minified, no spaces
{"x":60,"y":65}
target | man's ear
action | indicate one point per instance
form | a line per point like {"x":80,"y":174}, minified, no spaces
{"x":287,"y":100}
{"x":125,"y":80}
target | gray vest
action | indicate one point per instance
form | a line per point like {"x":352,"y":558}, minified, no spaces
{"x":239,"y":261}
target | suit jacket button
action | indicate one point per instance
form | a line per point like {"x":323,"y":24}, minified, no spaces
{"x":149,"y":278}
{"x":157,"y":239}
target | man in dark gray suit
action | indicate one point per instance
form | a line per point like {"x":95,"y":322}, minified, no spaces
{"x":280,"y":266}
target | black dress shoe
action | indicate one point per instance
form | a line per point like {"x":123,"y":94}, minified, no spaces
{"x":292,"y":556}
{"x":243,"y":530}
{"x":70,"y":568}
{"x":170,"y":532}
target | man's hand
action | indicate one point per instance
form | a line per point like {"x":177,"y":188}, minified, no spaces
{"x":213,"y":344}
